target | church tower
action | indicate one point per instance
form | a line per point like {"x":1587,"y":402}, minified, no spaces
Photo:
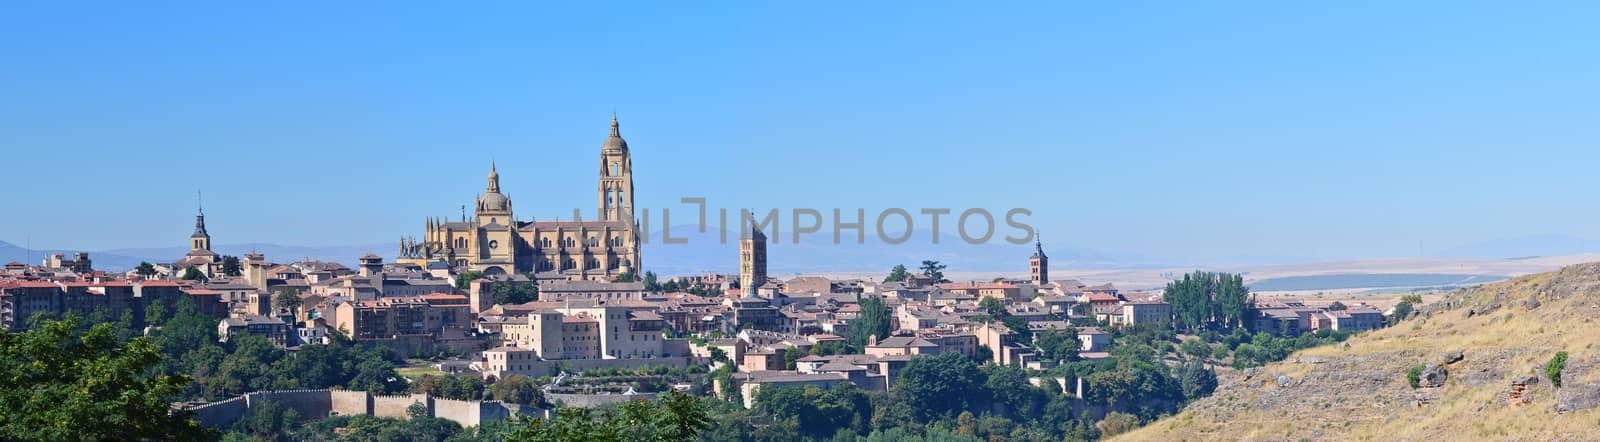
{"x":200,"y":240}
{"x":1039,"y":265}
{"x":616,"y":178}
{"x":752,"y":261}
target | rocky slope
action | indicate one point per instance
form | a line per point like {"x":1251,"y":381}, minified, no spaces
{"x":1483,"y":348}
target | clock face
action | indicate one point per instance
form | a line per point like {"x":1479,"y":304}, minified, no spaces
{"x":494,"y":244}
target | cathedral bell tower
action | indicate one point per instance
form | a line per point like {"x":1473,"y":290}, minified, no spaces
{"x":200,"y":240}
{"x":616,"y":178}
{"x":1039,"y":265}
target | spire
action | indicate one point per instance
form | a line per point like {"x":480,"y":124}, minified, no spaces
{"x":494,"y":178}
{"x":199,"y":217}
{"x":1038,"y":247}
{"x":615,"y":143}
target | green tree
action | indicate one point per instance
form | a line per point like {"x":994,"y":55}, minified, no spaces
{"x":82,"y":386}
{"x":1401,"y":312}
{"x":1058,"y":345}
{"x":966,"y":424}
{"x":1117,"y":423}
{"x":416,"y":410}
{"x":651,"y":283}
{"x":1204,"y":298}
{"x":1196,"y":348}
{"x":1008,"y":385}
{"x":1413,"y":299}
{"x":1553,"y":368}
{"x":897,"y":274}
{"x":513,"y":292}
{"x":464,"y":279}
{"x":145,"y":270}
{"x":936,"y":386}
{"x":1233,"y":300}
{"x":288,"y":300}
{"x":1196,"y":380}
{"x":934,"y":271}
{"x":1337,"y":306}
{"x":193,"y":274}
{"x":230,"y":266}
{"x":994,"y":307}
{"x":873,"y":321}
{"x":624,"y":277}
{"x":517,"y":389}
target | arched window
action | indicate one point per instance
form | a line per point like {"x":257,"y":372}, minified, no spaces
{"x":616,"y":168}
{"x":461,"y":243}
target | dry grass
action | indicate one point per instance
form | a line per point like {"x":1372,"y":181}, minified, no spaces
{"x":1524,"y":339}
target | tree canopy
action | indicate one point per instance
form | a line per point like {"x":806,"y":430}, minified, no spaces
{"x":193,"y":274}
{"x":67,"y":385}
{"x":934,"y":271}
{"x":897,"y":274}
{"x":1201,"y":298}
{"x":873,"y":321}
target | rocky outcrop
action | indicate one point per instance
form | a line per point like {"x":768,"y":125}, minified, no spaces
{"x":1452,"y":357}
{"x":1433,"y":376}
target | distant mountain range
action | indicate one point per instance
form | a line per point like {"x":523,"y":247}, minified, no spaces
{"x":702,"y":252}
{"x":816,"y":253}
{"x":123,"y":259}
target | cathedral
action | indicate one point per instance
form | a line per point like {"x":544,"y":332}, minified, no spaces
{"x":492,"y":241}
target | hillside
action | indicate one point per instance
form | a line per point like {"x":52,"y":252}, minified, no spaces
{"x":1505,"y":332}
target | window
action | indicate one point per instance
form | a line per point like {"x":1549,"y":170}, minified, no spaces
{"x":616,"y":168}
{"x":461,"y":243}
{"x":494,"y":244}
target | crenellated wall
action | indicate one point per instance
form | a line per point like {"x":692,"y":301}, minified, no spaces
{"x":346,"y":402}
{"x":311,"y":403}
{"x":396,"y":405}
{"x":220,"y":413}
{"x":594,"y":400}
{"x":319,"y":404}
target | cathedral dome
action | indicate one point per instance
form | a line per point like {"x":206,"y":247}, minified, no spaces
{"x":615,"y":141}
{"x":494,"y":202}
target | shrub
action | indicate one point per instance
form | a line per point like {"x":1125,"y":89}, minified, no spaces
{"x":1414,"y":376}
{"x":1553,"y":369}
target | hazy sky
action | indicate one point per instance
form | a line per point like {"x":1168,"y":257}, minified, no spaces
{"x":1173,"y":129}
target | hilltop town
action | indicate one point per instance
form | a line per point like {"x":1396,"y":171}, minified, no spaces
{"x":570,"y":308}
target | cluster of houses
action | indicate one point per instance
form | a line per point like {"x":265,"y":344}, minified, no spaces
{"x":784,"y":332}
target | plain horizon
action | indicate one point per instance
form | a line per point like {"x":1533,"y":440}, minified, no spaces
{"x":1194,"y":133}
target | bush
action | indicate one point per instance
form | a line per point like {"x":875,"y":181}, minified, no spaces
{"x":1414,"y":376}
{"x":1553,"y":369}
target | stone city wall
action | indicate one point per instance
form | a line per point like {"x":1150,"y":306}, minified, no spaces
{"x":319,"y":404}
{"x":594,"y":400}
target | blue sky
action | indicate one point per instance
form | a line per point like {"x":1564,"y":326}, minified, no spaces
{"x":1207,"y":132}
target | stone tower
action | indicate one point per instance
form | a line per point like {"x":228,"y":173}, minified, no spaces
{"x":1039,"y":265}
{"x":616,"y":178}
{"x":200,"y":240}
{"x":752,"y":261}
